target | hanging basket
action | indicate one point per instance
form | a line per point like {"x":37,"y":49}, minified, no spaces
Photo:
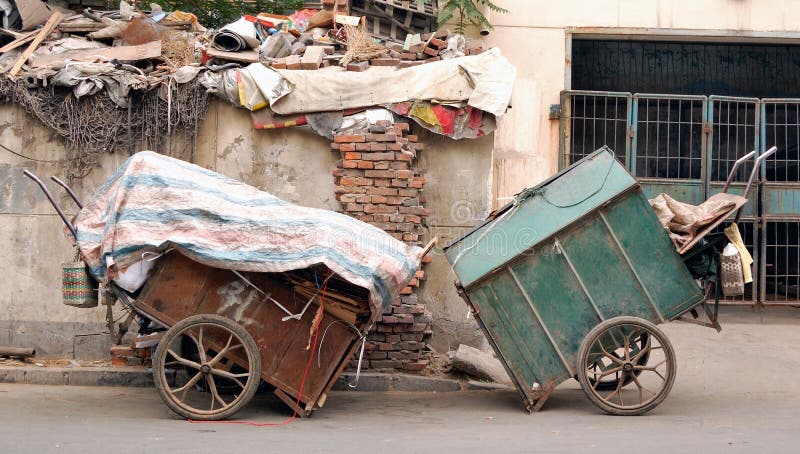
{"x":78,"y":289}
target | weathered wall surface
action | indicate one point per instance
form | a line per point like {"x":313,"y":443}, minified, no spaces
{"x":533,"y":37}
{"x":294,"y":164}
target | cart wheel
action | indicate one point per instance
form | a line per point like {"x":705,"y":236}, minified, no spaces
{"x":651,"y":366}
{"x":221,"y":344}
{"x":610,"y":382}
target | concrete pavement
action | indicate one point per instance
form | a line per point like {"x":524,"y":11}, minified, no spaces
{"x":736,"y":391}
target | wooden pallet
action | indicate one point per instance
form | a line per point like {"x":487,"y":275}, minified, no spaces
{"x":396,"y":18}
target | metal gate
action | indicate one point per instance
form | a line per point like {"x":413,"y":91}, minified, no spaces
{"x":685,"y":146}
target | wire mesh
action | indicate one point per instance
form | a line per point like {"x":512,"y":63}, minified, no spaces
{"x":782,"y":129}
{"x":669,"y":138}
{"x":782,"y":262}
{"x":594,"y":120}
{"x":734,"y":132}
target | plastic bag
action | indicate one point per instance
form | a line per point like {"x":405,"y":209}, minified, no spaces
{"x":731,"y":276}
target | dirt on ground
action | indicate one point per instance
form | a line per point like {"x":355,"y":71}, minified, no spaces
{"x":27,"y":362}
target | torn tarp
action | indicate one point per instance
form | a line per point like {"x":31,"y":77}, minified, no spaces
{"x":458,"y":98}
{"x":154,"y":202}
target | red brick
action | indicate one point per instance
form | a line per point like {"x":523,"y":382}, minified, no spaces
{"x":119,"y":361}
{"x":416,"y":366}
{"x":365,"y":165}
{"x":410,"y":237}
{"x":399,"y":165}
{"x":378,"y":199}
{"x":407,"y":291}
{"x":382,"y":191}
{"x":383,"y":123}
{"x":382,"y":165}
{"x":408,"y":56}
{"x":403,"y":157}
{"x":347,"y":198}
{"x":437,"y":43}
{"x":402,"y":126}
{"x":399,"y":183}
{"x":358,"y":66}
{"x":386,"y":364}
{"x":376,"y":355}
{"x":384,"y":61}
{"x":394,"y":146}
{"x":416,"y":182}
{"x":363,"y":146}
{"x":414,"y":282}
{"x":420,"y":274}
{"x":350,"y":164}
{"x":347,"y":147}
{"x":413,"y":218}
{"x":377,"y":147}
{"x":335,"y":146}
{"x":408,"y":192}
{"x":382,"y":182}
{"x":393,"y":338}
{"x":352,"y":207}
{"x":371,"y":208}
{"x":412,"y":137}
{"x":405,"y":174}
{"x":380,"y":173}
{"x":390,"y":319}
{"x":381,"y":217}
{"x":404,"y":318}
{"x":410,"y":64}
{"x":411,"y":336}
{"x":349,"y":138}
{"x":388,"y":156}
{"x":363,"y":198}
{"x":350,"y":154}
{"x":381,"y":328}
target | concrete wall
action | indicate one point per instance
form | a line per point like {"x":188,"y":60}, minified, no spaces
{"x":294,"y":164}
{"x":534,"y":37}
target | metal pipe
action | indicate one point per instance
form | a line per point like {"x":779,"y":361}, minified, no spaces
{"x":736,"y":165}
{"x":69,"y":191}
{"x":20,"y":352}
{"x":52,"y":202}
{"x":756,"y":168}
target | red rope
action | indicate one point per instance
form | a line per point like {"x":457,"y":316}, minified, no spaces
{"x":302,"y":383}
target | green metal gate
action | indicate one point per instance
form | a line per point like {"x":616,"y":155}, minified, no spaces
{"x":685,"y":146}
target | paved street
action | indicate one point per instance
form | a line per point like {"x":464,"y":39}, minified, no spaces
{"x":737,"y":391}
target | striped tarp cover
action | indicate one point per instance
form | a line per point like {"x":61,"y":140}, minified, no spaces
{"x":154,"y":202}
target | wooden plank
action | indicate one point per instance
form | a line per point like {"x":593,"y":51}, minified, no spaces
{"x":25,"y":38}
{"x":48,"y":28}
{"x":247,"y":56}
{"x":121,"y":53}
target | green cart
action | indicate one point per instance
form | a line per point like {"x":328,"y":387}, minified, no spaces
{"x":570,"y":280}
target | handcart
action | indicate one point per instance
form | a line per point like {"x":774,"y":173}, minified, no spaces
{"x":218,"y":333}
{"x":571,"y":278}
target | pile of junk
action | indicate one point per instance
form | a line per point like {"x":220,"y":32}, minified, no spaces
{"x":139,"y":76}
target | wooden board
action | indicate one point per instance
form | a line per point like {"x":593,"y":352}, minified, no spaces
{"x":247,"y":56}
{"x":48,"y":28}
{"x":23,"y":39}
{"x":121,"y":53}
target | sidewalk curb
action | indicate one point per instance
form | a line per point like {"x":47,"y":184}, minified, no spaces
{"x":143,"y":378}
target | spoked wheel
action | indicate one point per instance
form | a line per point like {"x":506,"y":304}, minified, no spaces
{"x":638,"y":352}
{"x":602,"y":364}
{"x":220,"y":344}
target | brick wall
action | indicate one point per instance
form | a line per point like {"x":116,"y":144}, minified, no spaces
{"x":377,"y":181}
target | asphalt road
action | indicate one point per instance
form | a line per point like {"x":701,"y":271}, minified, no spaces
{"x":737,"y":391}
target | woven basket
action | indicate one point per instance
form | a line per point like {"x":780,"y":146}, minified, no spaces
{"x":732,"y":277}
{"x":77,"y":287}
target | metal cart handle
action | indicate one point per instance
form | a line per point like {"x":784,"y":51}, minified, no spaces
{"x":736,"y":165}
{"x":69,"y":191}
{"x":756,"y":168}
{"x":52,"y":202}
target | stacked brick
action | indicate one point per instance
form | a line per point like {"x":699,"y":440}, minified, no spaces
{"x":123,"y":355}
{"x":378,"y":182}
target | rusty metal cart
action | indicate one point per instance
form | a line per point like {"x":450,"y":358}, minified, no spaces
{"x":218,"y":336}
{"x":570,"y":279}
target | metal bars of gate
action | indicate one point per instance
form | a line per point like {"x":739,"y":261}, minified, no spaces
{"x":780,"y":202}
{"x":668,"y":145}
{"x":591,"y":119}
{"x":732,"y":133}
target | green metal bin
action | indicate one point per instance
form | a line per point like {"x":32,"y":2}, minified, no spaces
{"x":567,"y":264}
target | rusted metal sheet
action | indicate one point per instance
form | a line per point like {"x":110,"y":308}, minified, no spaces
{"x":181,"y":288}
